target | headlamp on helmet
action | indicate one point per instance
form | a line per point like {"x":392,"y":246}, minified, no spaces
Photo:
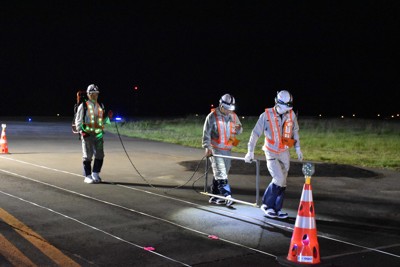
{"x":227,"y":101}
{"x":284,"y":98}
{"x":92,"y":89}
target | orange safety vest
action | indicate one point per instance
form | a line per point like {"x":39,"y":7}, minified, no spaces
{"x":280,"y":141}
{"x":94,"y":126}
{"x":225,"y":138}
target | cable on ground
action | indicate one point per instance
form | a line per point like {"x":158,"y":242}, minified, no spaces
{"x":151,"y":185}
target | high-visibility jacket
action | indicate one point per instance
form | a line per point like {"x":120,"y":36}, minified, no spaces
{"x":94,"y":118}
{"x":90,"y":117}
{"x":281,"y":131}
{"x":274,"y":142}
{"x":219,"y":130}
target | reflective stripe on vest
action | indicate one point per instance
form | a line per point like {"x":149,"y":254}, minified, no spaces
{"x":275,"y":143}
{"x":94,"y":126}
{"x":222,"y":142}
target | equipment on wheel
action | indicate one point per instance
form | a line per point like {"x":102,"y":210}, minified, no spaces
{"x":81,"y":97}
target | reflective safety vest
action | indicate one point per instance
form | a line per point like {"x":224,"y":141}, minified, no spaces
{"x":226,"y":132}
{"x":280,"y":137}
{"x":93,"y":123}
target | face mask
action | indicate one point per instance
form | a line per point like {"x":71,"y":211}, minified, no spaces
{"x":281,"y":109}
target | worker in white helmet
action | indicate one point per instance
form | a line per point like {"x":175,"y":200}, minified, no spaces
{"x":90,"y":120}
{"x":281,"y":130}
{"x":219,"y":136}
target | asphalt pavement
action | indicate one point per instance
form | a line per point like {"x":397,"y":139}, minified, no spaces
{"x":149,"y":210}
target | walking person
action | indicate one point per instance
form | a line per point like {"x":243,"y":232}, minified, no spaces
{"x":219,"y":136}
{"x":281,"y":130}
{"x":90,"y":120}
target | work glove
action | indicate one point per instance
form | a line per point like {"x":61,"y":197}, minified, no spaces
{"x":208,"y":152}
{"x":249,"y":157}
{"x":299,"y":154}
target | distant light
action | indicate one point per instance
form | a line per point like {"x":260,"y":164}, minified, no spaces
{"x":243,"y":117}
{"x":342,"y":117}
{"x":135,"y":88}
{"x":58,"y":115}
{"x":379,"y":115}
{"x":29,"y":119}
{"x":320,"y":115}
{"x":197,"y":115}
{"x":398,"y":115}
{"x":118,"y":118}
{"x":392,"y":116}
{"x":354,"y":115}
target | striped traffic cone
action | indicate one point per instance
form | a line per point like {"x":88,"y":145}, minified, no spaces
{"x":304,"y":246}
{"x":3,"y":141}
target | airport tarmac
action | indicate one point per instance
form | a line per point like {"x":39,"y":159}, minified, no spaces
{"x":149,"y":210}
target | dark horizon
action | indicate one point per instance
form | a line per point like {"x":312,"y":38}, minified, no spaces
{"x":335,"y":58}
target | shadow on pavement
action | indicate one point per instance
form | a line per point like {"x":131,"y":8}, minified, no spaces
{"x":321,"y":169}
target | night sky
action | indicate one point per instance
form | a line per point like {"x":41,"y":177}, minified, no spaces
{"x":335,"y":57}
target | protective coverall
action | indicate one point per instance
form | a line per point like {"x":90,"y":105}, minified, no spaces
{"x":281,"y":131}
{"x":218,"y":133}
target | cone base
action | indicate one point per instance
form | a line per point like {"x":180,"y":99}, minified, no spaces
{"x":285,"y":262}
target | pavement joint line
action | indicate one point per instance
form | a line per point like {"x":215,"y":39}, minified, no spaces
{"x":90,"y":226}
{"x":256,"y":219}
{"x":125,"y":208}
{"x":322,"y":236}
{"x":208,"y":207}
{"x":40,"y":166}
{"x":145,"y":191}
{"x":363,"y":247}
{"x":358,"y":252}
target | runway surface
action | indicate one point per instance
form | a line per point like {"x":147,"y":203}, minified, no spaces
{"x":148,"y":211}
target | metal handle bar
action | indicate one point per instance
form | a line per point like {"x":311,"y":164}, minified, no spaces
{"x":231,"y":157}
{"x":237,"y":158}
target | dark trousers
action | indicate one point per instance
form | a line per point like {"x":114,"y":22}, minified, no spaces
{"x":273,"y":196}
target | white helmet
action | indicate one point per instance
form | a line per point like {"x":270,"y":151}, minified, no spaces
{"x":92,"y":89}
{"x":283,"y":101}
{"x":227,"y":101}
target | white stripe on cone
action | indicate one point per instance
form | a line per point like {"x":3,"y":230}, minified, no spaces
{"x":305,"y":222}
{"x":306,"y":196}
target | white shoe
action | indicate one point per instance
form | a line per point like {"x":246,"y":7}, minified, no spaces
{"x":269,"y":212}
{"x":88,"y":179}
{"x":229,"y":201}
{"x":96,"y":178}
{"x":218,"y":201}
{"x":282,"y":215}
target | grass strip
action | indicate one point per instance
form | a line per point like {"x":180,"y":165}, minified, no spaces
{"x":359,"y":142}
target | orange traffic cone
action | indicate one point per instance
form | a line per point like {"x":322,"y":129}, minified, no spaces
{"x":304,"y":246}
{"x":3,"y":141}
